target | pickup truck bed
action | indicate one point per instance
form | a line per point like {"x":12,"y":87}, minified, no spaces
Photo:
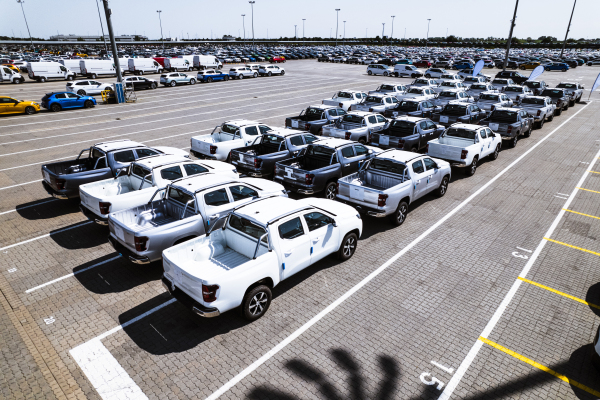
{"x":71,"y":166}
{"x":138,"y":219}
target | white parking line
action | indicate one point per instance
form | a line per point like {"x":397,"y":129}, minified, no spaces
{"x":22,"y":208}
{"x":45,"y":236}
{"x":20,"y":184}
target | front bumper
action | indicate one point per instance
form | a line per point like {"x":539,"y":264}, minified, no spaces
{"x":128,"y":254}
{"x":186,"y":300}
{"x":92,"y":216}
{"x":54,"y":193}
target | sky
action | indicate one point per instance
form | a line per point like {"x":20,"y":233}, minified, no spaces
{"x":276,"y":18}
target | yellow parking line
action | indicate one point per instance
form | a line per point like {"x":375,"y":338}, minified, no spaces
{"x":539,"y":366}
{"x":560,"y":293}
{"x":595,"y":172}
{"x":585,"y":215}
{"x":573,"y":247}
{"x":588,"y":190}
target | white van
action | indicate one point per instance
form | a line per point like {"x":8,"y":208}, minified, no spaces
{"x":406,"y":70}
{"x":189,"y":59}
{"x":73,"y":65}
{"x":139,"y":66}
{"x":177,"y":64}
{"x":94,"y":68}
{"x":379,"y":69}
{"x":42,"y":71}
{"x":204,"y":62}
{"x":8,"y":75}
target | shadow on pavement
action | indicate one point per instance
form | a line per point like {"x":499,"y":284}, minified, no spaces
{"x":81,"y":237}
{"x":593,"y":297}
{"x":45,"y":209}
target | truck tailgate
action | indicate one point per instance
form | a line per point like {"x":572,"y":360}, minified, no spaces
{"x":445,"y":151}
{"x":202,"y":143}
{"x":244,"y":157}
{"x":351,"y":188}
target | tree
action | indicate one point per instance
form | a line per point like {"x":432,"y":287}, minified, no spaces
{"x":80,"y":39}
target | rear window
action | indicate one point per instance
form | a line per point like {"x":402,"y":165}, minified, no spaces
{"x":314,"y":113}
{"x":373,"y":99}
{"x":408,"y":106}
{"x":344,"y":95}
{"x":139,"y":171}
{"x":226,"y":128}
{"x":357,"y":119}
{"x":493,"y":97}
{"x":532,"y":84}
{"x":513,"y":89}
{"x":415,"y":91}
{"x":179,"y":196}
{"x":171,"y":173}
{"x":478,"y":87}
{"x":460,"y":133}
{"x":387,"y":87}
{"x":533,"y":100}
{"x":387,"y":166}
{"x":455,"y":109}
{"x":504,"y":115}
{"x":272,"y":139}
{"x":319,"y":151}
{"x":247,"y":227}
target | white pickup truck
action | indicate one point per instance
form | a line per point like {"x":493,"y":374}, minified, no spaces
{"x":261,"y":244}
{"x":540,"y":108}
{"x":345,"y":99}
{"x":226,"y":137}
{"x":356,"y":126}
{"x":420,"y":92}
{"x":139,"y":183}
{"x":465,"y":144}
{"x":391,"y":90}
{"x":378,"y":103}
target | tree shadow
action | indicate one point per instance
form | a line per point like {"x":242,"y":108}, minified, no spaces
{"x":80,"y":237}
{"x":593,"y":297}
{"x":47,"y":209}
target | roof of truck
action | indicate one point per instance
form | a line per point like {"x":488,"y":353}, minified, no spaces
{"x":285,"y":132}
{"x":200,"y":182}
{"x":334,"y":142}
{"x":117,"y":145}
{"x":471,"y":127}
{"x":160,"y":160}
{"x":242,"y":122}
{"x":270,"y":208}
{"x":399,"y":155}
{"x":410,"y":119}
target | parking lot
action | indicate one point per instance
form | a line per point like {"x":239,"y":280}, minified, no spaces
{"x":492,"y":291}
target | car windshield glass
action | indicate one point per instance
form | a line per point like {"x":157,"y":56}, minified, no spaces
{"x":408,"y":106}
{"x":415,"y":90}
{"x":372,"y":99}
{"x":454,"y":109}
{"x":387,"y":166}
{"x":422,"y":81}
{"x":313,"y":113}
{"x":532,"y":84}
{"x":488,"y":97}
{"x":460,"y":133}
{"x":344,"y":95}
{"x":504,"y":116}
{"x":513,"y":89}
{"x":567,"y":85}
{"x":448,"y":94}
{"x":357,"y":119}
{"x":532,"y":100}
{"x":553,"y":93}
{"x":245,"y":226}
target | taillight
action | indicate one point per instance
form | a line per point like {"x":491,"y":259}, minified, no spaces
{"x":348,"y":135}
{"x":381,"y":200}
{"x":509,"y":130}
{"x":104,"y":207}
{"x":370,"y":109}
{"x":400,"y":143}
{"x":307,"y":127}
{"x":370,"y":137}
{"x":337,"y":187}
{"x":213,"y":149}
{"x":140,"y":243}
{"x":209,"y":293}
{"x":539,"y":113}
{"x":463,"y":154}
{"x":427,"y":148}
{"x":257,"y":162}
{"x":60,"y":183}
{"x":308,"y":179}
{"x":492,"y":108}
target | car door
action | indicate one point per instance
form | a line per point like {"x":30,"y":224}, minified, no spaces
{"x":348,"y":160}
{"x":380,"y":125}
{"x":420,"y":179}
{"x":324,"y":236}
{"x":94,"y":87}
{"x":362,"y":154}
{"x":434,"y":179}
{"x":251,"y":132}
{"x":295,"y":246}
{"x":73,"y":100}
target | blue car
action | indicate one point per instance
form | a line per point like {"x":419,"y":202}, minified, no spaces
{"x":556,"y":66}
{"x":210,"y":75}
{"x":58,"y":101}
{"x":463,"y":65}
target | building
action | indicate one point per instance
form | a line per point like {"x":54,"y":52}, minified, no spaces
{"x":228,"y":37}
{"x":85,"y":38}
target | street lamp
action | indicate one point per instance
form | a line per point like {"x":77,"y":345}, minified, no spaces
{"x":427,"y":41}
{"x":344,"y":33}
{"x":244,"y":26}
{"x":252,"y":6}
{"x":161,"y":32}
{"x":303,"y":37}
{"x":22,"y":9}
{"x":337,"y":13}
{"x":392,"y":35}
{"x":382,"y":31}
{"x":295,"y":32}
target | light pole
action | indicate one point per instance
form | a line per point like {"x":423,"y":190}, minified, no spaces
{"x":512,"y":26}
{"x":295,"y":32}
{"x":161,"y":32}
{"x":22,"y":9}
{"x":303,"y":37}
{"x":252,"y":6}
{"x":427,"y":41}
{"x":344,"y":33}
{"x":244,"y":26}
{"x":392,"y":35}
{"x":337,"y":13}
{"x":102,"y":27}
{"x":568,"y":28}
{"x":382,"y":31}
{"x":120,"y":96}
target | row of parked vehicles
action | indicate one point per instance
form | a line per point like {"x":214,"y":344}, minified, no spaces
{"x":226,"y":240}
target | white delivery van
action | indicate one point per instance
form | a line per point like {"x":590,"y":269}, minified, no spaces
{"x":72,"y":65}
{"x":8,"y":75}
{"x":189,"y":59}
{"x":140,"y":66}
{"x":177,"y":64}
{"x":401,"y":70}
{"x":43,"y":71}
{"x":204,"y":62}
{"x":95,"y":68}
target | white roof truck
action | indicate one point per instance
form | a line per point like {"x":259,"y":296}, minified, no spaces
{"x":345,"y":99}
{"x":261,"y":244}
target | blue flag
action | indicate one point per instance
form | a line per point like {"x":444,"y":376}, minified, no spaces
{"x":478,"y":67}
{"x":536,"y":72}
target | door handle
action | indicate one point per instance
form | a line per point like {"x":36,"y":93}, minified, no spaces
{"x":346,"y":165}
{"x":288,"y":253}
{"x":316,"y":240}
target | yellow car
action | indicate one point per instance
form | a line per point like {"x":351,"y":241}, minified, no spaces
{"x":8,"y":105}
{"x":13,"y":67}
{"x":529,"y":65}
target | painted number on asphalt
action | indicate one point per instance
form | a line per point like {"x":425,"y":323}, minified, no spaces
{"x":50,"y":320}
{"x":427,"y":379}
{"x":516,"y":254}
{"x":12,"y":270}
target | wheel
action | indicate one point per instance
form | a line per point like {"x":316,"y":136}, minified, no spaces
{"x":441,"y":190}
{"x":18,"y":81}
{"x":362,"y":140}
{"x":282,"y":73}
{"x":81,"y":92}
{"x":523,"y":68}
{"x":564,"y":70}
{"x":578,"y":99}
{"x":330,"y":190}
{"x":547,"y":69}
{"x":226,"y":78}
{"x":369,"y":72}
{"x":528,"y":133}
{"x":471,"y":169}
{"x":153,"y":86}
{"x":256,"y":75}
{"x":496,"y":152}
{"x":414,"y":150}
{"x":70,"y":77}
{"x":240,"y":76}
{"x":93,"y":76}
{"x":558,"y":112}
{"x":413,"y":76}
{"x":192,"y":81}
{"x":29,"y":110}
{"x":396,"y":74}
{"x":427,"y":76}
{"x":540,"y":124}
{"x":141,"y":73}
{"x":550,"y":118}
{"x":399,"y":216}
{"x":256,"y":302}
{"x":55,"y":107}
{"x":572,"y":103}
{"x":173,"y":83}
{"x":209,"y":79}
{"x":42,"y":79}
{"x":513,"y":142}
{"x":348,"y":247}
{"x":269,"y":73}
{"x":88,"y":104}
{"x":385,"y":73}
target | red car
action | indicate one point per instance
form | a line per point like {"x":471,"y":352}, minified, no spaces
{"x":278,"y":59}
{"x":422,"y":64}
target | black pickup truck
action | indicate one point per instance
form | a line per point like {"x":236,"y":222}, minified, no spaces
{"x":459,"y":112}
{"x":514,"y":75}
{"x":314,"y":118}
{"x":560,"y":98}
{"x":510,"y":123}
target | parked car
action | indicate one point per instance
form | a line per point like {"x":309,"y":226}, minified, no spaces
{"x":470,"y":80}
{"x":529,"y":65}
{"x":92,"y":69}
{"x":226,"y":137}
{"x":8,"y":75}
{"x":517,"y":92}
{"x":500,"y":83}
{"x":425,"y":82}
{"x":510,"y":123}
{"x":268,"y":70}
{"x":539,"y":108}
{"x":537,"y":87}
{"x":177,"y":78}
{"x":9,"y":105}
{"x":462,"y":65}
{"x":314,"y":118}
{"x":317,"y":168}
{"x":417,"y":92}
{"x":456,"y":112}
{"x":449,"y":85}
{"x":389,"y":183}
{"x":58,"y":101}
{"x":86,"y":87}
{"x":376,"y":103}
{"x":573,"y":89}
{"x":356,"y":126}
{"x":380,"y":69}
{"x":452,"y":95}
{"x":435,"y":72}
{"x":140,"y":82}
{"x":451,"y":77}
{"x":557,"y":66}
{"x":242,"y":72}
{"x":140,"y":66}
{"x":345,"y":99}
{"x":210,"y":75}
{"x":392,"y":90}
{"x":514,"y":75}
{"x":190,"y":206}
{"x":477,"y":88}
{"x":416,"y":107}
{"x":488,"y":101}
{"x":408,"y":133}
{"x":261,"y":244}
{"x":559,"y":97}
{"x":464,"y":145}
{"x":104,"y":160}
{"x":469,"y":72}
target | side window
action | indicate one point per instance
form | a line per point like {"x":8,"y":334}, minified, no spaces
{"x":194,"y":169}
{"x":241,"y":192}
{"x":310,"y":138}
{"x":60,"y":96}
{"x":296,"y":140}
{"x":252,"y":131}
{"x":483,"y":134}
{"x":347,"y":152}
{"x":291,"y":229}
{"x":332,"y":113}
{"x":216,"y":198}
{"x":263,"y":129}
{"x":316,"y":220}
{"x":361,"y":150}
{"x":381,"y":118}
{"x":72,"y":96}
{"x":124,"y":156}
{"x":372,"y":119}
{"x":388,"y":100}
{"x":180,"y":196}
{"x":417,"y":167}
{"x":146,"y":152}
{"x":489,"y":132}
{"x":429,"y":164}
{"x":430,"y":125}
{"x":423,"y":125}
{"x":341,"y":111}
{"x":171,"y":173}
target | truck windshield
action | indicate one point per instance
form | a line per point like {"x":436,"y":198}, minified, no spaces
{"x":513,"y":89}
{"x":372,"y":99}
{"x":552,"y":93}
{"x":504,"y":116}
{"x":533,"y":100}
{"x":384,"y":165}
{"x":344,"y":95}
{"x":460,"y":133}
{"x":408,"y":106}
{"x":454,"y":109}
{"x":313,"y":114}
{"x":246,"y":226}
{"x":357,"y":119}
{"x":492,"y":97}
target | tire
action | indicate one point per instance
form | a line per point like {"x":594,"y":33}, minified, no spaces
{"x":513,"y":142}
{"x":557,"y":112}
{"x":414,"y":150}
{"x":564,"y":70}
{"x":550,"y":118}
{"x":153,"y":86}
{"x":578,"y":99}
{"x":256,"y":302}
{"x":93,"y":76}
{"x":348,"y":247}
{"x":540,"y":124}
{"x":329,"y":192}
{"x":362,"y":140}
{"x":255,"y":75}
{"x":471,"y":169}
{"x":88,"y":104}
{"x":399,"y":216}
{"x":192,"y":81}
{"x":282,"y":73}
{"x":572,"y":103}
{"x":494,"y":155}
{"x":173,"y":84}
{"x":70,"y":77}
{"x":396,"y":74}
{"x":369,"y":72}
{"x":522,"y":68}
{"x":29,"y":110}
{"x":42,"y":79}
{"x":528,"y":133}
{"x":385,"y":73}
{"x":240,"y":76}
{"x":443,"y":188}
{"x":547,"y":69}
{"x":55,"y":107}
{"x":269,"y":73}
{"x":226,"y":78}
{"x":18,"y":81}
{"x":81,"y":92}
{"x":413,"y":76}
{"x":141,"y":73}
{"x":427,"y":76}
{"x":209,"y":79}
